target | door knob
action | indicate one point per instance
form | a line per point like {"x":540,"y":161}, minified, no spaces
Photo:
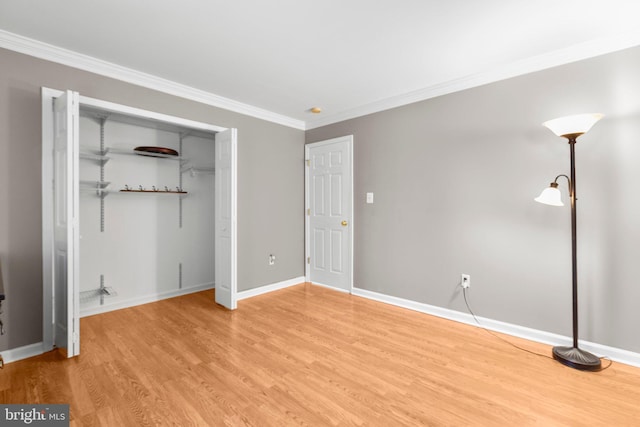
{"x":344,"y":223}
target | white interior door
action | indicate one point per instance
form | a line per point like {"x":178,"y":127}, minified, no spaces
{"x":329,"y":212}
{"x":225,"y":218}
{"x":66,"y":297}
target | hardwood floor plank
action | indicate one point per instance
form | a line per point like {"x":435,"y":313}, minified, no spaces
{"x":310,"y":356}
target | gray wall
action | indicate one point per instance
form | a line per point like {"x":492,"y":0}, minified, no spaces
{"x":270,"y":184}
{"x":454,"y":179}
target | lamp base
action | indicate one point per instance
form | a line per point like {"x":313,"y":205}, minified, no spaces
{"x":577,"y":358}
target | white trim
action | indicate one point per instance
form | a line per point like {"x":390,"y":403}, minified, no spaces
{"x":307,"y":240}
{"x":260,"y":290}
{"x":322,"y":285}
{"x":47,"y":218}
{"x":146,"y":114}
{"x":613,"y":353}
{"x":77,"y":60}
{"x":49,"y":94}
{"x":24,"y":352}
{"x":234,"y":218}
{"x":307,"y":206}
{"x":555,"y":58}
{"x":132,"y":302}
{"x":558,"y":57}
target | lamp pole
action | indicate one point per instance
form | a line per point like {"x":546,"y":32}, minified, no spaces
{"x":574,"y":243}
{"x":571,"y":127}
{"x":574,"y":356}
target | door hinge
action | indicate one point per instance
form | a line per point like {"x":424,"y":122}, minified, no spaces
{"x":75,"y":337}
{"x":308,"y":162}
{"x":308,"y":260}
{"x":309,"y":212}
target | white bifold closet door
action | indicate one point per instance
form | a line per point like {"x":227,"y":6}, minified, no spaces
{"x":66,"y":202}
{"x":61,"y":202}
{"x":225,"y":218}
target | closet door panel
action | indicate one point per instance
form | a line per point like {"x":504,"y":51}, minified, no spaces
{"x":225,"y":218}
{"x":65,"y":225}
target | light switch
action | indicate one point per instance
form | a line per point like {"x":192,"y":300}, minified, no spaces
{"x":369,"y":197}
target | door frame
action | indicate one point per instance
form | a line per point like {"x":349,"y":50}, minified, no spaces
{"x":47,"y":97}
{"x":348,"y":139}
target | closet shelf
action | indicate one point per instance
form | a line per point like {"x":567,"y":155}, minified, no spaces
{"x":127,"y":151}
{"x":99,"y":188}
{"x":94,"y":184}
{"x":197,"y":170}
{"x":95,"y":192}
{"x":87,"y":296}
{"x":95,"y":156}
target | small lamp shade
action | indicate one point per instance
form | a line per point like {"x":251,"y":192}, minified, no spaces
{"x":550,"y":196}
{"x":572,"y":125}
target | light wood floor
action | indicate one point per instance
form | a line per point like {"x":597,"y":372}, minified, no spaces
{"x":311,"y":356}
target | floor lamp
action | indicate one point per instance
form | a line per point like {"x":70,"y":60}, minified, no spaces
{"x":571,"y":127}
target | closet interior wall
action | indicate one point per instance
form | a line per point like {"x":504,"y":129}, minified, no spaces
{"x":139,"y":246}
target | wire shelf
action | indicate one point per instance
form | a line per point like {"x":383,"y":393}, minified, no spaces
{"x":88,"y":296}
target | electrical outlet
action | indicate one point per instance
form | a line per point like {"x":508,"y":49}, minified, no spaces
{"x":272,"y":259}
{"x":465,"y":280}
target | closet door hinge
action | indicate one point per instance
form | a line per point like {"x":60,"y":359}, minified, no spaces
{"x":308,"y":260}
{"x":309,"y":212}
{"x":75,"y":337}
{"x":308,"y":162}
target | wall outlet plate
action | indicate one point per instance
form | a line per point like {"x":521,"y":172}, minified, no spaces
{"x":465,"y":280}
{"x":369,"y":197}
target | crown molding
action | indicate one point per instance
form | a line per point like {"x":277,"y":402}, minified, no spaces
{"x":67,"y":57}
{"x":555,"y":58}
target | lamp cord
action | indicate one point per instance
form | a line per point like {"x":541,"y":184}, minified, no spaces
{"x":464,"y":294}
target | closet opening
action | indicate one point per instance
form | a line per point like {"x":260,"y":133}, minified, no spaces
{"x":137,"y":206}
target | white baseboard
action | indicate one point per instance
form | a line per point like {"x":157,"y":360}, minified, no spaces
{"x":131,"y":302}
{"x":269,"y":288}
{"x":333,"y":288}
{"x":613,"y":353}
{"x":24,"y":352}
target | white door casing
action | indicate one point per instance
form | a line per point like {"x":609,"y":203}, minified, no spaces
{"x":66,"y":301}
{"x":329,"y":219}
{"x":226,"y":219}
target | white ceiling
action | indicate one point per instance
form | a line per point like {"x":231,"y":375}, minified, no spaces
{"x":349,"y":57}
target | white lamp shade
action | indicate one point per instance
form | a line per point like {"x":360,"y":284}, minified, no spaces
{"x":576,"y":124}
{"x":550,"y":196}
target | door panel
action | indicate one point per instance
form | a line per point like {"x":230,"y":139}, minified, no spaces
{"x":319,"y":252}
{"x":225,"y":219}
{"x":66,"y":298}
{"x":336,"y":195}
{"x":318,"y":199}
{"x":330,"y":232}
{"x":336,"y":251}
